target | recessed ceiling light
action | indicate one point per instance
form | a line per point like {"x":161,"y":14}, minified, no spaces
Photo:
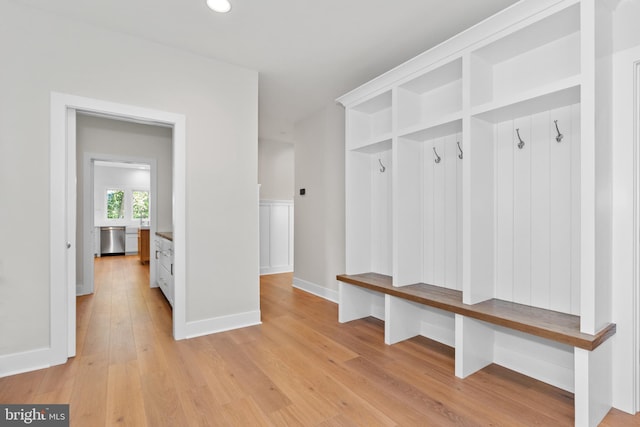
{"x":222,"y":6}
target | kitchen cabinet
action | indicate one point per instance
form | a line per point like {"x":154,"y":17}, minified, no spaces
{"x":131,"y":240}
{"x":143,"y":245}
{"x":164,"y":265}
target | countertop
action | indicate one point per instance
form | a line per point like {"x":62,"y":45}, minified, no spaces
{"x":165,"y":235}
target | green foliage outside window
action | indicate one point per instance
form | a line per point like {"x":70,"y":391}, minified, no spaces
{"x":140,"y":205}
{"x":115,"y":204}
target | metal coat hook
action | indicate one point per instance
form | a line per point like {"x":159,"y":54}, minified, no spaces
{"x":437,"y":158}
{"x":459,"y":148}
{"x":559,"y":136}
{"x":382,"y":168}
{"x":521,"y":143}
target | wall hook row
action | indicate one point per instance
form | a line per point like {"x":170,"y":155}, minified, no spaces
{"x":521,"y":143}
{"x":559,"y":136}
{"x":460,"y":149}
{"x":436,"y":157}
{"x":382,"y":168}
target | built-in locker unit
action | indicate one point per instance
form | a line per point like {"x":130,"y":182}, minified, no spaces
{"x":482,"y":167}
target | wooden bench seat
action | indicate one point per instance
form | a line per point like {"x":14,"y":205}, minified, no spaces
{"x":560,"y":327}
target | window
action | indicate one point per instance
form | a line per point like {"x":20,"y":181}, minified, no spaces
{"x":140,"y":204}
{"x":115,"y":204}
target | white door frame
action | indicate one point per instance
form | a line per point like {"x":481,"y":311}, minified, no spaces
{"x":636,"y":252}
{"x":626,"y":229}
{"x":63,"y":211}
{"x":88,"y":226}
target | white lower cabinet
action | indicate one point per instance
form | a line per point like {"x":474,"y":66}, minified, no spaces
{"x":164,"y":267}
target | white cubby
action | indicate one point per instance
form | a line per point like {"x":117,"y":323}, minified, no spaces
{"x":505,"y":225}
{"x":534,"y":58}
{"x":534,"y":235}
{"x":429,"y":207}
{"x":432,"y":98}
{"x":369,"y":200}
{"x":369,"y":122}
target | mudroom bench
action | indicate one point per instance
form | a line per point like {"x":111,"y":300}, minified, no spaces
{"x":543,"y":344}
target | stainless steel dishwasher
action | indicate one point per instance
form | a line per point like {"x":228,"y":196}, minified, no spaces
{"x":112,"y":240}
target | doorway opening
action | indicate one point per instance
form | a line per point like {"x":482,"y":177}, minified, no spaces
{"x":63,"y":205}
{"x":119,"y":191}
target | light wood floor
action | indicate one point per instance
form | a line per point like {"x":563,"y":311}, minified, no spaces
{"x":300,"y":367}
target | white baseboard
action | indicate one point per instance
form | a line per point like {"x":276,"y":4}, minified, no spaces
{"x":317,"y":290}
{"x":276,"y":270}
{"x":27,"y":361}
{"x":222,"y":323}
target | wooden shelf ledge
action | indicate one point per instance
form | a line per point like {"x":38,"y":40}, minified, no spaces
{"x":560,"y":327}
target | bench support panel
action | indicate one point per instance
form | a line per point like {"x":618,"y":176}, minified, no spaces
{"x":474,"y":346}
{"x":358,"y":303}
{"x":407,"y":319}
{"x":593,"y":395}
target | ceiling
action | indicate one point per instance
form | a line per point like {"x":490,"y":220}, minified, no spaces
{"x":307,"y":52}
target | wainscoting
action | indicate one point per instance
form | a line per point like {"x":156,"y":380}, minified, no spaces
{"x":276,"y":236}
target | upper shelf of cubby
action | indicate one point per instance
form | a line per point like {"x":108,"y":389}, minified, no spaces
{"x":431,"y":98}
{"x":375,"y":146}
{"x":527,"y":62}
{"x":370,"y":121}
{"x":554,"y":95}
{"x":448,"y":125}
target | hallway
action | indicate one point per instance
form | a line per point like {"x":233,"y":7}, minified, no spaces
{"x":300,"y":367}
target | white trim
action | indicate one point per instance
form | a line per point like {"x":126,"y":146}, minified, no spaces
{"x":221,"y":324}
{"x":265,"y":271}
{"x":626,"y":230}
{"x":317,"y":290}
{"x":18,"y":363}
{"x":636,"y":234}
{"x":62,"y":295}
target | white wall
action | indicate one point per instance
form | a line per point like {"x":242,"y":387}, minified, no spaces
{"x":97,"y":135}
{"x":319,"y":237}
{"x":626,"y":376}
{"x":42,"y":53}
{"x":275,"y":169}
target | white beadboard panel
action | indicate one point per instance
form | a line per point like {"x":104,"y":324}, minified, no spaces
{"x":439,"y":213}
{"x":459,"y":212}
{"x":522,"y":215}
{"x":442,"y":212}
{"x":538,"y":217}
{"x":560,"y":214}
{"x":381,"y":217}
{"x":265,"y":216}
{"x":506,"y":141}
{"x":280,"y":236}
{"x":276,"y":236}
{"x":407,"y":214}
{"x":574,"y":137}
{"x":540,"y":141}
{"x":429,"y":214}
{"x":450,"y":163}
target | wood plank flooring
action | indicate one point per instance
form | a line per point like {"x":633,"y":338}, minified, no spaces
{"x":300,"y":367}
